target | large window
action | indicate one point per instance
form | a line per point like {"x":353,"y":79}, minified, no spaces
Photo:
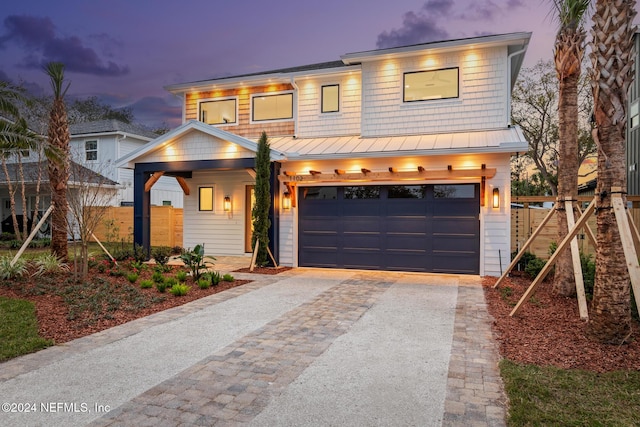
{"x":272,"y":107}
{"x":91,"y":150}
{"x":330,"y":98}
{"x":205,"y":199}
{"x":218,"y":112}
{"x":435,"y":84}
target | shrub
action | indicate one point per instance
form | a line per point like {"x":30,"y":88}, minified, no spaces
{"x":204,"y":283}
{"x":534,"y":267}
{"x":132,"y":277}
{"x":137,"y":266}
{"x":179,"y":290}
{"x":139,"y":254}
{"x":524,"y":260}
{"x":161,"y":254}
{"x":181,"y":276}
{"x":8,"y":271}
{"x":5,"y":237}
{"x":216,"y":277}
{"x":228,"y":278}
{"x":161,"y":286}
{"x":122,"y":254}
{"x":170,"y":281}
{"x":196,"y":261}
{"x":146,"y":284}
{"x":49,"y":264}
{"x":157,"y":277}
{"x":588,"y":273}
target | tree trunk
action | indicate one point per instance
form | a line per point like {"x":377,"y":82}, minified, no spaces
{"x":12,"y":200}
{"x":23,"y":195}
{"x":58,"y":178}
{"x":564,"y":280}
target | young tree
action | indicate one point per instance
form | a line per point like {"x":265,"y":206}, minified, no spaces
{"x":89,"y":200}
{"x":612,"y":59}
{"x":58,"y":134}
{"x":568,"y":55}
{"x":260,"y":213}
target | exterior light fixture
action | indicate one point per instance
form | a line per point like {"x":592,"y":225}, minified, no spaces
{"x":227,"y":204}
{"x":286,"y":200}
{"x":496,"y":198}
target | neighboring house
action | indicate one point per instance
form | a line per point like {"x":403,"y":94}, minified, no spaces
{"x":390,"y":159}
{"x":633,"y":127}
{"x":98,"y":144}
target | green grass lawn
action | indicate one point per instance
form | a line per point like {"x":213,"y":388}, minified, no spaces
{"x":548,"y":396}
{"x":19,"y":329}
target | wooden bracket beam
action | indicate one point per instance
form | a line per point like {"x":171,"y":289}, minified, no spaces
{"x":291,"y":188}
{"x":424,"y":175}
{"x":152,"y":180}
{"x":183,"y":185}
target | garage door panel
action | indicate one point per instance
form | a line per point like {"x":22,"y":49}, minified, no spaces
{"x":415,"y":230}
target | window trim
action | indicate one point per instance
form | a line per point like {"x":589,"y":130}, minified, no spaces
{"x":404,"y":85}
{"x":637,"y":105}
{"x":260,"y":95}
{"x":322,"y":110}
{"x":86,"y":151}
{"x":226,"y":98}
{"x":213,"y":198}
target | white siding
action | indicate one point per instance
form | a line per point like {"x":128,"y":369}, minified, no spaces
{"x":494,"y":223}
{"x":482,"y":102}
{"x":221,"y":233}
{"x":312,"y":122}
{"x":197,"y":146}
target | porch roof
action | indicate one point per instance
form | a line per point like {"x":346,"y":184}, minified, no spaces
{"x":507,"y":140}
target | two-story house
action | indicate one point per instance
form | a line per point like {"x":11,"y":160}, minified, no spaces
{"x":96,"y":145}
{"x":390,"y":159}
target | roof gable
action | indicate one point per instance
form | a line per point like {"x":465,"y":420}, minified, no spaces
{"x":194,"y":140}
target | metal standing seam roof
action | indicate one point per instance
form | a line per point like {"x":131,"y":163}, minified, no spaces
{"x":500,"y":140}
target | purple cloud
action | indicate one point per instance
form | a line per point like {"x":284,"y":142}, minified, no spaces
{"x":418,"y":27}
{"x":154,"y":111}
{"x":38,"y":35}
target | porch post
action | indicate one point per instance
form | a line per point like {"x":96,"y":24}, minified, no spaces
{"x":141,"y":210}
{"x":274,"y":212}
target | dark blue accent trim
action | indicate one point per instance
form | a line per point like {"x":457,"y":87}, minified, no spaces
{"x":274,"y":211}
{"x":141,"y":210}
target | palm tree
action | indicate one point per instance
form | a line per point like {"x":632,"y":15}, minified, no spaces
{"x":58,"y":134}
{"x":568,"y":55}
{"x":15,"y":136}
{"x":612,"y":59}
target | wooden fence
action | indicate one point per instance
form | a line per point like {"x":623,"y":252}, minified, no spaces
{"x":526,"y":216}
{"x":166,"y":225}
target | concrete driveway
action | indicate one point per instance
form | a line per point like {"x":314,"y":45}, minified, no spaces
{"x":306,"y":347}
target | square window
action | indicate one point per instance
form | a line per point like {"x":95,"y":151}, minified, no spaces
{"x":428,"y":85}
{"x":205,"y":199}
{"x":272,"y":107}
{"x":330,"y":98}
{"x":91,"y":150}
{"x":218,"y":112}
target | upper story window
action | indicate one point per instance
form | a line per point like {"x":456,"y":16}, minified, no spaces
{"x":272,"y":107}
{"x":433,"y":84}
{"x":218,"y":112}
{"x":634,"y":116}
{"x":91,"y":150}
{"x":330,"y":98}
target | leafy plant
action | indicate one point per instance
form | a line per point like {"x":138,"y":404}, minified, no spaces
{"x":179,"y":289}
{"x":157,"y":277}
{"x":216,"y":278}
{"x":161,"y":286}
{"x":588,"y":273}
{"x":139,"y":254}
{"x":161,"y":254}
{"x":170,"y":281}
{"x":228,"y":278}
{"x":137,"y":266}
{"x":181,"y":276}
{"x":132,"y":277}
{"x":204,"y":283}
{"x":196,"y":261}
{"x":146,"y":284}
{"x":8,"y":271}
{"x":49,"y":264}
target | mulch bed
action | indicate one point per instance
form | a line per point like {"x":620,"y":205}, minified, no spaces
{"x":263,"y":270}
{"x":548,"y":330}
{"x":53,"y":313}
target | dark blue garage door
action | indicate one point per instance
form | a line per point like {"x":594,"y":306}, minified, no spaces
{"x":428,"y":228}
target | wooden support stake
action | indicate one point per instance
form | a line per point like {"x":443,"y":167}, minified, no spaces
{"x":588,"y":231}
{"x":275,"y":264}
{"x":627,"y":244}
{"x":104,"y":249}
{"x":577,"y":265}
{"x":31,"y":236}
{"x":547,"y":267}
{"x":255,"y":255}
{"x":525,"y":247}
{"x":634,"y":231}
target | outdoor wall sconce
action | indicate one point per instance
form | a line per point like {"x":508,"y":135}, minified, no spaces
{"x":496,"y":198}
{"x":286,"y":200}
{"x":227,"y":204}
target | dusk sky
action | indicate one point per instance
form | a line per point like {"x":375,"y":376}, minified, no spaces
{"x":126,"y":51}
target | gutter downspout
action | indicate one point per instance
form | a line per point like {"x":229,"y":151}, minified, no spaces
{"x":509,"y":59}
{"x":295,"y":121}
